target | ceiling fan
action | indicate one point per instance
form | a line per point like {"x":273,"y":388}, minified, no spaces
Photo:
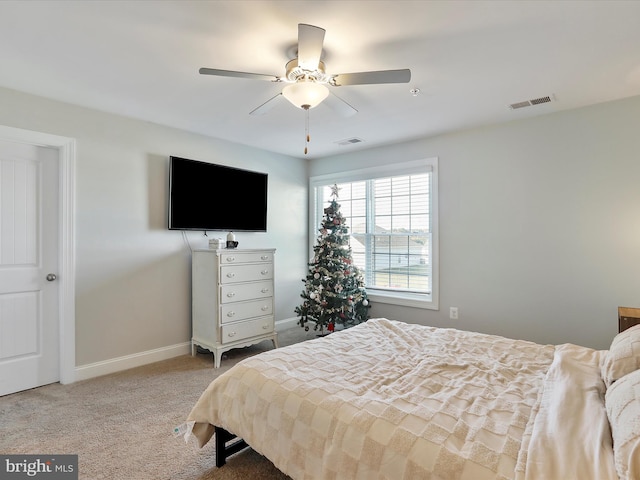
{"x":307,"y":78}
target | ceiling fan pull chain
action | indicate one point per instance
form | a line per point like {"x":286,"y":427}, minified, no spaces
{"x":306,"y":129}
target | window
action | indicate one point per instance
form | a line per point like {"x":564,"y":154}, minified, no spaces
{"x":392,"y":216}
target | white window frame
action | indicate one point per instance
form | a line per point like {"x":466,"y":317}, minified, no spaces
{"x":408,"y":299}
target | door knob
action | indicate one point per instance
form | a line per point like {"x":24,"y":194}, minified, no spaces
{"x":51,"y":277}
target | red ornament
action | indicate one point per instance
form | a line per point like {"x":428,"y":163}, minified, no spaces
{"x":330,"y":327}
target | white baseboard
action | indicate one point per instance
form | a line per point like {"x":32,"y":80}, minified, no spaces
{"x":286,"y":323}
{"x":113,"y":365}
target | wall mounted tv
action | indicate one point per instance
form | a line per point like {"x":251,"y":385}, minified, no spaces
{"x":205,"y":196}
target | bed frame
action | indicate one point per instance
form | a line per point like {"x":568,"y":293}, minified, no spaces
{"x":226,"y":445}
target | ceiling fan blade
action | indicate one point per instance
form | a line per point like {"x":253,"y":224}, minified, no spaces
{"x":266,"y":106}
{"x":310,"y":40}
{"x":231,"y":73}
{"x":337,"y":104}
{"x":369,"y":78}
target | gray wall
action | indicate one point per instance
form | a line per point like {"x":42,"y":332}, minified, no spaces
{"x":539,"y":223}
{"x":133,"y":276}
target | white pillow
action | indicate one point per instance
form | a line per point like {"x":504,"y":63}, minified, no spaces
{"x":623,"y":356}
{"x":622,"y":401}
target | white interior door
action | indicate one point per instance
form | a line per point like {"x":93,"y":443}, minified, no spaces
{"x":29,"y":314}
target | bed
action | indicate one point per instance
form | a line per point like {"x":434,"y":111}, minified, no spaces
{"x":391,"y":400}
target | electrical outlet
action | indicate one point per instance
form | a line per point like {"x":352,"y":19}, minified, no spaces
{"x":453,"y":313}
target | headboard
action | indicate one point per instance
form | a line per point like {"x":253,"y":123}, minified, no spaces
{"x":627,"y":317}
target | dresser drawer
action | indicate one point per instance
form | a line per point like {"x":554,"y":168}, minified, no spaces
{"x":251,"y":328}
{"x":245,"y":273}
{"x":239,"y":292}
{"x":245,"y":257}
{"x":232,"y":312}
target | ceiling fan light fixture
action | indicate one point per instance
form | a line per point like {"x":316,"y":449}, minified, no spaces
{"x":305,"y":94}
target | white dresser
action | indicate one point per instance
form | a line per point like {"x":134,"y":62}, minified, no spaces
{"x":232,"y":299}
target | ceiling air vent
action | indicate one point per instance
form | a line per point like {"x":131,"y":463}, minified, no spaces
{"x":534,"y":101}
{"x":349,"y":141}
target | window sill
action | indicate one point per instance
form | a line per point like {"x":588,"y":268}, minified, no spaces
{"x":404,"y":299}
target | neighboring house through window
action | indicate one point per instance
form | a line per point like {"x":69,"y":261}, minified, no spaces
{"x":392,"y":214}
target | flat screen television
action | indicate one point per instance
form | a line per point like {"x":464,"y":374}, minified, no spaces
{"x":205,"y":196}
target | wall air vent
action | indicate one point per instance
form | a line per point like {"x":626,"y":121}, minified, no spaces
{"x":530,"y":103}
{"x":349,"y":141}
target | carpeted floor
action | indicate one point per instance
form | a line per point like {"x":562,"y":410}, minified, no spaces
{"x":121,"y":425}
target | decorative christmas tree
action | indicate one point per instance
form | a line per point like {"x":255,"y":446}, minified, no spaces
{"x":334,"y":291}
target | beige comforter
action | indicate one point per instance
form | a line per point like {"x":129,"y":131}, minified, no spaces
{"x":390,"y":400}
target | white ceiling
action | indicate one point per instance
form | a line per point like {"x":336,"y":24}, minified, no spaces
{"x":470,"y":60}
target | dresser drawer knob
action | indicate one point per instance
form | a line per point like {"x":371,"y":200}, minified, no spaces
{"x":231,"y":259}
{"x":231,"y":275}
{"x":264,"y":290}
{"x":264,"y":272}
{"x":265,"y":326}
{"x":264,"y":257}
{"x":231,"y":294}
{"x":231,"y":334}
{"x":231,"y":314}
{"x":265,"y":308}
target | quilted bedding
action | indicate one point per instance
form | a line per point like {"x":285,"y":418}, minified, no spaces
{"x":391,"y":400}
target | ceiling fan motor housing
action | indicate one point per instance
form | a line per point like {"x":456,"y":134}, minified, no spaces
{"x":295,"y":73}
